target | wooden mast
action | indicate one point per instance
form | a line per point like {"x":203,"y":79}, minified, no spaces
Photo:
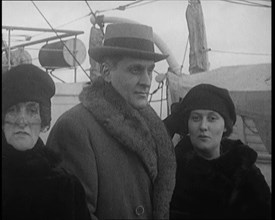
{"x":198,"y":57}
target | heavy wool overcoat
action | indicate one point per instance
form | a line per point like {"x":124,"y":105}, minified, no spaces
{"x":228,"y":187}
{"x":33,"y":188}
{"x":123,"y":156}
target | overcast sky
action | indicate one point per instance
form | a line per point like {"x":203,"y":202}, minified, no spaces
{"x":231,"y":29}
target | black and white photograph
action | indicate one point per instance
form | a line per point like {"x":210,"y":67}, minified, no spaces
{"x":146,"y":109}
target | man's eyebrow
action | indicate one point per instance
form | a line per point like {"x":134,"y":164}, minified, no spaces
{"x":135,"y":65}
{"x":31,"y":104}
{"x":140,"y":66}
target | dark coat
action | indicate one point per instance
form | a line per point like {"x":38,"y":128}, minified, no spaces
{"x":230,"y":186}
{"x":124,"y":157}
{"x":34,"y":189}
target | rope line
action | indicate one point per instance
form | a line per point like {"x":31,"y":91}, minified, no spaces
{"x":62,"y":25}
{"x":51,"y":72}
{"x":91,"y":11}
{"x":118,"y":8}
{"x":247,"y":3}
{"x":76,"y":19}
{"x":160,"y":87}
{"x":123,"y":7}
{"x":127,"y":6}
{"x":161,"y":98}
{"x":167,"y":104}
{"x":152,"y":93}
{"x":144,"y":3}
{"x":244,"y":53}
{"x":61,"y":40}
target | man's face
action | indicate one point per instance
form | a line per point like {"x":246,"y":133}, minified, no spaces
{"x":132,"y":79}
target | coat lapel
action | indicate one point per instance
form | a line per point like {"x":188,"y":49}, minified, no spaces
{"x":120,"y":120}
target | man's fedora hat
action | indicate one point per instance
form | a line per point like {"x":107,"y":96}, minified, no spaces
{"x":134,"y":40}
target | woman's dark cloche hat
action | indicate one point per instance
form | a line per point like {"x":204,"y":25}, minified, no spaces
{"x":210,"y":97}
{"x":134,"y":40}
{"x":24,"y":83}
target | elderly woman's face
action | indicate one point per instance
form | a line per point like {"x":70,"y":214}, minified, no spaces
{"x":22,"y":125}
{"x":206,"y":128}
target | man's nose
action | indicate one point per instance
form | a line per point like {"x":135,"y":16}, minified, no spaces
{"x":146,"y":78}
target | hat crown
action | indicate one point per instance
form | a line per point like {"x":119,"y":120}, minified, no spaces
{"x":207,"y":96}
{"x":136,"y":37}
{"x":127,"y":30}
{"x":127,"y":39}
{"x":26,"y":82}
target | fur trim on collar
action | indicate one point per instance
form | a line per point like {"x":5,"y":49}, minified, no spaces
{"x":141,"y":131}
{"x":235,"y":160}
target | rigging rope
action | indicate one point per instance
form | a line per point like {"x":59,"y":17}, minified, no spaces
{"x":123,"y":7}
{"x":144,"y":3}
{"x":118,"y":8}
{"x":90,"y":9}
{"x":51,"y":72}
{"x":127,"y":6}
{"x":161,"y":98}
{"x":160,"y":87}
{"x":243,"y":53}
{"x":167,"y":104}
{"x":61,"y":40}
{"x":76,"y":19}
{"x":247,"y":3}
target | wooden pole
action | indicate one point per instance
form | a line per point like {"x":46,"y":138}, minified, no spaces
{"x":198,"y":57}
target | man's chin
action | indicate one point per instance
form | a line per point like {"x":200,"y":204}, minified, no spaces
{"x":140,"y":104}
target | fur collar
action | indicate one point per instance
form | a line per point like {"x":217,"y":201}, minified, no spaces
{"x":142,"y":132}
{"x":235,"y":158}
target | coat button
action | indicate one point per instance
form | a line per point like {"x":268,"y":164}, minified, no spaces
{"x":139,"y":210}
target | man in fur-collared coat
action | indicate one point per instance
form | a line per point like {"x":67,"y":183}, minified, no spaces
{"x":113,"y":140}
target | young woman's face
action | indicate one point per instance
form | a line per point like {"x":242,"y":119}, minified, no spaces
{"x":206,"y":128}
{"x":22,"y":125}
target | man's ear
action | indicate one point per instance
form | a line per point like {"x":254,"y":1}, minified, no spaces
{"x":105,"y":71}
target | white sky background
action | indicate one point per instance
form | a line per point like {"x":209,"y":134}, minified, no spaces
{"x":229,"y":27}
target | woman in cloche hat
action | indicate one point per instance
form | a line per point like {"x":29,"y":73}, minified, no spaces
{"x":32,"y":185}
{"x":216,"y":177}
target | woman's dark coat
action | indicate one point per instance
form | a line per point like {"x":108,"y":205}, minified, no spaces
{"x":230,"y":186}
{"x":33,"y":188}
{"x":124,"y":157}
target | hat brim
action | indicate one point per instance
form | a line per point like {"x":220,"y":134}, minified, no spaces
{"x":97,"y":53}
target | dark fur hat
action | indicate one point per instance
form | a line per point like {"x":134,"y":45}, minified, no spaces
{"x":26,"y":82}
